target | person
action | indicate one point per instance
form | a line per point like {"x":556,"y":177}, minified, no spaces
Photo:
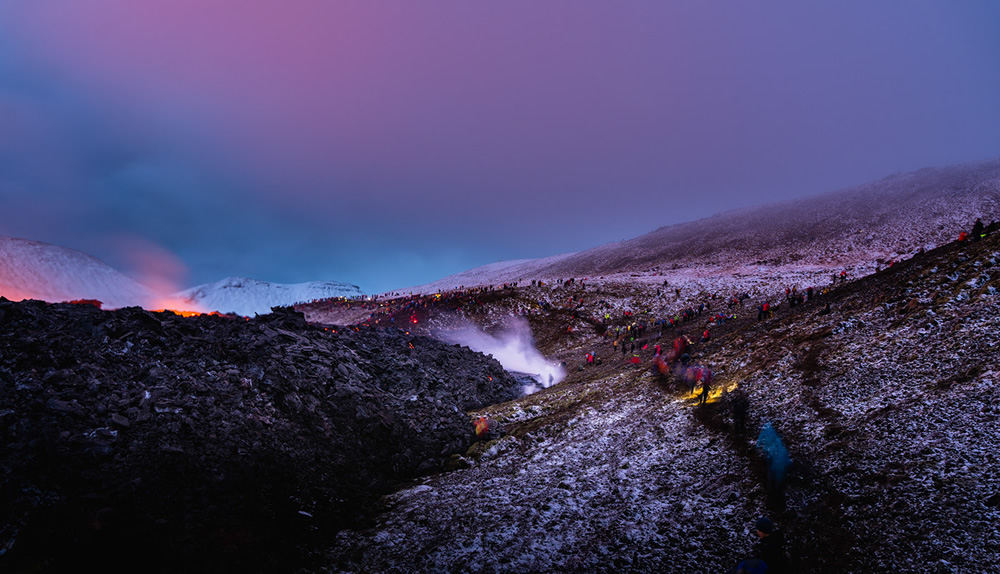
{"x":681,"y":344}
{"x":706,"y":385}
{"x":706,"y":336}
{"x":977,"y":230}
{"x":777,"y":457}
{"x":770,"y":546}
{"x":750,"y":566}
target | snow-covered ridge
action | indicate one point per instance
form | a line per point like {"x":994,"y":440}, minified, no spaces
{"x":490,"y":274}
{"x":36,"y":270}
{"x":247,"y":297}
{"x":858,"y":228}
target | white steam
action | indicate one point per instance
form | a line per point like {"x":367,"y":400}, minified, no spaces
{"x":513,"y":347}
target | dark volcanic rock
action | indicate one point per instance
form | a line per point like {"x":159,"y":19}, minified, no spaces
{"x":140,"y":441}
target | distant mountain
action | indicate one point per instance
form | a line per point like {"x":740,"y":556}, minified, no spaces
{"x":36,"y":270}
{"x":859,"y":228}
{"x":247,"y":297}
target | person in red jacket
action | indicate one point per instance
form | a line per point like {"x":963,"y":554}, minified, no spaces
{"x":680,"y":345}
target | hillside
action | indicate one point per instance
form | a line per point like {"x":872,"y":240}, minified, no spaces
{"x":338,"y":436}
{"x":887,"y":405}
{"x":35,"y":270}
{"x":150,"y":442}
{"x":133,"y":434}
{"x":857,"y":228}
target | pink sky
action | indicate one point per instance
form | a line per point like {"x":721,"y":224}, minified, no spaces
{"x":331,"y":140}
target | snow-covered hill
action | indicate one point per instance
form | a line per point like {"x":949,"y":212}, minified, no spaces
{"x":492,"y":274}
{"x":860,"y":228}
{"x":247,"y":297}
{"x":35,"y":270}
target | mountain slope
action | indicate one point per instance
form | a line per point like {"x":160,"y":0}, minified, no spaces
{"x":247,"y":297}
{"x":494,"y":273}
{"x":853,"y":228}
{"x":137,"y":441}
{"x":36,"y":270}
{"x":886,"y":401}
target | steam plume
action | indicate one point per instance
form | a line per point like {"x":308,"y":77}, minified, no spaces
{"x":513,"y":347}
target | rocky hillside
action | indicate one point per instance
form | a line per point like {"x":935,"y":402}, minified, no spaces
{"x":150,"y":442}
{"x":883,"y":389}
{"x":153,"y":442}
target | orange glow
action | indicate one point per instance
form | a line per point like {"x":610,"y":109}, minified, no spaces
{"x":188,"y":313}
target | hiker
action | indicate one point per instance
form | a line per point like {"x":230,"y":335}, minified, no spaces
{"x":681,"y":344}
{"x":750,"y":566}
{"x":706,"y":385}
{"x":770,"y":546}
{"x":486,"y":428}
{"x":706,"y":335}
{"x":768,"y":555}
{"x":977,"y":230}
{"x":777,"y":458}
{"x":691,"y":375}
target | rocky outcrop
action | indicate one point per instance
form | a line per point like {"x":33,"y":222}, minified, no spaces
{"x":211,"y":442}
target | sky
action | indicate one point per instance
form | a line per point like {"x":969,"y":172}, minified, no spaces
{"x":388,"y":144}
